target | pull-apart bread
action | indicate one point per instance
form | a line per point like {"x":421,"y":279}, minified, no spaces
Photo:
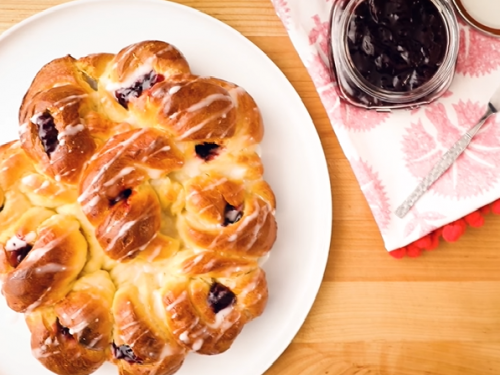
{"x":134,"y":212}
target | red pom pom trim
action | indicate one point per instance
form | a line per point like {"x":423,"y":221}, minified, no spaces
{"x":475,"y":219}
{"x":450,"y":232}
{"x":495,"y":207}
{"x":453,"y":231}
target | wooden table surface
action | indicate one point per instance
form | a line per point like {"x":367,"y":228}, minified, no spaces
{"x":435,"y":315}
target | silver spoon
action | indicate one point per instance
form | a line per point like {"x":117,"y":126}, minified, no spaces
{"x":449,"y":158}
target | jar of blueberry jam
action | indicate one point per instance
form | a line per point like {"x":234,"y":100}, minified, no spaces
{"x":389,"y":54}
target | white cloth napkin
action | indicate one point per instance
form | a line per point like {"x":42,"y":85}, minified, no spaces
{"x":391,"y":153}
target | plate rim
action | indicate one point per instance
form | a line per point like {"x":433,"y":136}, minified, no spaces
{"x":466,"y":16}
{"x":324,"y":189}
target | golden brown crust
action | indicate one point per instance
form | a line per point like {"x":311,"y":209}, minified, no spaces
{"x":93,"y":66}
{"x":45,"y":276}
{"x":60,"y":71}
{"x":133,"y":211}
{"x":86,"y":311}
{"x":57,"y":350}
{"x":63,"y":156}
{"x":154,"y":348}
{"x":115,"y":193}
{"x":197,"y":324}
{"x":162,"y":57}
{"x":205,"y":225}
{"x":249,"y":123}
{"x":189,"y":108}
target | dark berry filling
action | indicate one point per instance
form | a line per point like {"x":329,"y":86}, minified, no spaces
{"x":142,"y":84}
{"x":232,"y":215}
{"x":397,"y":45}
{"x":47,"y":132}
{"x":207,"y":151}
{"x":125,"y":352}
{"x":65,"y":331}
{"x":15,"y":257}
{"x":220,"y":297}
{"x":121,"y":197}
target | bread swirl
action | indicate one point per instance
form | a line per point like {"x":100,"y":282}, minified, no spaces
{"x":133,"y":212}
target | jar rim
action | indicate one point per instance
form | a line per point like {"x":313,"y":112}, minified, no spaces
{"x":440,"y":77}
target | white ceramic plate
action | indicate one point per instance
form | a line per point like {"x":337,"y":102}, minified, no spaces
{"x":293,"y":157}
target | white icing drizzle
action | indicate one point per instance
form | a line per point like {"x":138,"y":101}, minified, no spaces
{"x":235,"y":92}
{"x":44,"y":185}
{"x":192,"y":194}
{"x":237,"y":173}
{"x":163,"y":149}
{"x":42,"y":352}
{"x":221,"y":317}
{"x":154,"y":173}
{"x":202,"y":124}
{"x":228,"y":128}
{"x":260,"y":222}
{"x":125,"y":54}
{"x":94,"y":201}
{"x":69,"y":131}
{"x":128,"y":337}
{"x":142,"y":70}
{"x":208,"y":267}
{"x":50,"y":268}
{"x":75,"y":315}
{"x":123,"y":230}
{"x":174,"y":89}
{"x":38,"y":302}
{"x":218,"y":182}
{"x":250,"y":288}
{"x":181,"y":298}
{"x":198,"y":259}
{"x":205,"y":102}
{"x":166,"y":49}
{"x":207,"y":207}
{"x":184,"y":337}
{"x":198,"y":344}
{"x":129,"y":325}
{"x":38,"y":252}
{"x":154,"y":254}
{"x":23,"y":128}
{"x":95,"y":341}
{"x":68,"y":100}
{"x":15,"y":243}
{"x":35,"y":117}
{"x":120,"y":148}
{"x":122,"y":173}
{"x":79,"y":327}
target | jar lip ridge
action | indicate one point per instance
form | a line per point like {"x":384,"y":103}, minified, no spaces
{"x":341,"y":57}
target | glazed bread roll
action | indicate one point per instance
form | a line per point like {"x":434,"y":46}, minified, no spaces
{"x":134,"y":212}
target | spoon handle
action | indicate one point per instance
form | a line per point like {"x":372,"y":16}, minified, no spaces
{"x":441,"y":167}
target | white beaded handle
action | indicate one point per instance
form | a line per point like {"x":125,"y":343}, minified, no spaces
{"x":443,"y":165}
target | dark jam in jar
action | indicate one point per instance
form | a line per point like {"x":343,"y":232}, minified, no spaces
{"x":390,"y":54}
{"x":397,"y":45}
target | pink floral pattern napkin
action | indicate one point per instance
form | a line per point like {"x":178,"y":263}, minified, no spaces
{"x":390,"y":152}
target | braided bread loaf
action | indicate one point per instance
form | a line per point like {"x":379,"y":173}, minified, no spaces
{"x":133,"y":212}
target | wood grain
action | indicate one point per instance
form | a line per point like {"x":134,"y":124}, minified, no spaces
{"x":436,"y":315}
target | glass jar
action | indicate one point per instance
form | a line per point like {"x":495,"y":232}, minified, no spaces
{"x":364,"y":44}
